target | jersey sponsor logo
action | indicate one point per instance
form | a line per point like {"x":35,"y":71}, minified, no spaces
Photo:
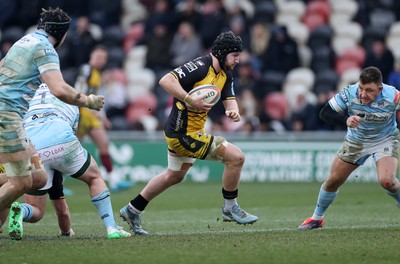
{"x":386,"y":150}
{"x":343,"y":96}
{"x":180,"y":72}
{"x":46,"y":114}
{"x":376,"y":118}
{"x":200,"y":63}
{"x":179,"y":121}
{"x":180,"y":106}
{"x":190,"y":66}
{"x":105,"y":215}
{"x":190,"y":143}
{"x":54,"y":151}
{"x":50,"y":52}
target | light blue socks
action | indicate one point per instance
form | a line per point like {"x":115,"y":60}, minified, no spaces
{"x":324,"y":200}
{"x":102,"y":201}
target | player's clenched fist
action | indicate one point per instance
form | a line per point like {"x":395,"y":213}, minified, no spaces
{"x":232,"y":114}
{"x":353,"y":121}
{"x":95,"y":102}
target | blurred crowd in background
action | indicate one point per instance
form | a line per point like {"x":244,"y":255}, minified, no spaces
{"x":297,"y":53}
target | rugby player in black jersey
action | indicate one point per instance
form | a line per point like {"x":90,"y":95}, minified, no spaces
{"x":185,"y":134}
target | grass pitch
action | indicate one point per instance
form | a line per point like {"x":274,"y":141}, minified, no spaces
{"x":362,"y":226}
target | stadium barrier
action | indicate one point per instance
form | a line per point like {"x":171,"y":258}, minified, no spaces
{"x":300,"y":157}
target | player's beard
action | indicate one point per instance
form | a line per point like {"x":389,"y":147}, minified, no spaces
{"x":229,"y":67}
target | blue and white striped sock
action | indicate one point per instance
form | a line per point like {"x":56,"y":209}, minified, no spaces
{"x":27,"y":212}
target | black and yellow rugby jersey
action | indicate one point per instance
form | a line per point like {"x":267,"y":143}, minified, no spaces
{"x":194,"y":73}
{"x":89,"y":80}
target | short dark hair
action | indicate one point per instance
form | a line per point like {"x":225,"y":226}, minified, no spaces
{"x":371,"y":75}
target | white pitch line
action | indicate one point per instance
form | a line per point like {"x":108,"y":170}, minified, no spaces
{"x":248,"y":229}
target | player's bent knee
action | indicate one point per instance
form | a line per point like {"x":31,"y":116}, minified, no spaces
{"x":386,"y":184}
{"x":238,"y":157}
{"x":235,"y":156}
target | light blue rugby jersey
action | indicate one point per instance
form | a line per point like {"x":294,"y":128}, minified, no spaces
{"x":50,"y":121}
{"x":378,"y":119}
{"x":28,"y":59}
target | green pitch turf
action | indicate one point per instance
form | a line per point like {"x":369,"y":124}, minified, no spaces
{"x":362,"y":226}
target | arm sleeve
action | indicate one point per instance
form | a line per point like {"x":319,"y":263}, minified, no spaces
{"x":46,"y":59}
{"x":228,"y":92}
{"x":330,"y":116}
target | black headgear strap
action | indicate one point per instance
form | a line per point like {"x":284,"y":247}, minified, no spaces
{"x":56,"y":29}
{"x":225,"y":43}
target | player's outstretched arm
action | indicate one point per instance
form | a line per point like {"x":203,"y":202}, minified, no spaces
{"x":68,"y":94}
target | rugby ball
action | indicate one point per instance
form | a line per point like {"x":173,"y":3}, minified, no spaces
{"x":209,"y":92}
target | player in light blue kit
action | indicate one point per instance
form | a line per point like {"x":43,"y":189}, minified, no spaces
{"x":370,"y":108}
{"x":29,"y":62}
{"x":51,"y":125}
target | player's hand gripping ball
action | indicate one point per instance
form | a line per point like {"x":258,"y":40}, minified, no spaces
{"x":210,"y":93}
